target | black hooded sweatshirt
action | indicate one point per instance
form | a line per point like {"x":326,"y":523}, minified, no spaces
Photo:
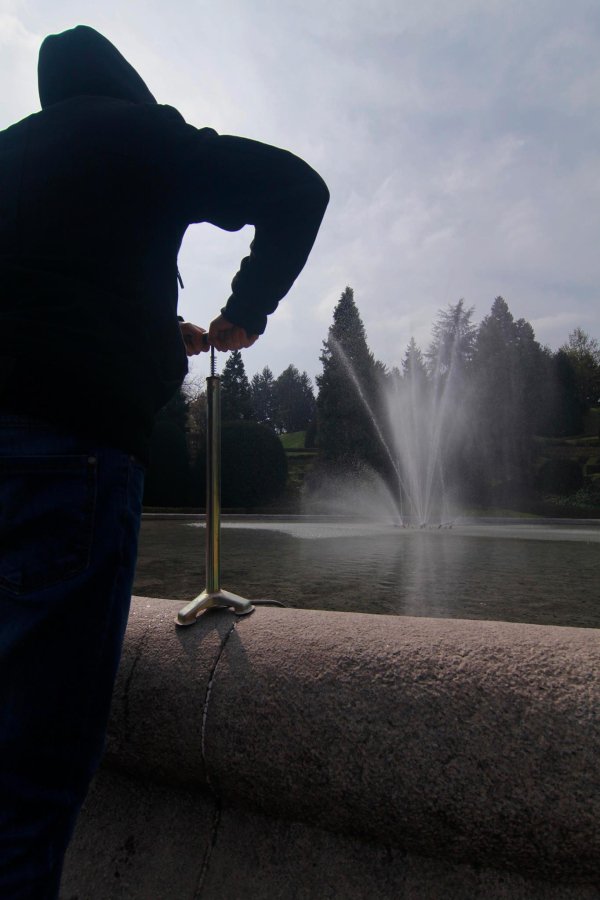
{"x":96,"y":192}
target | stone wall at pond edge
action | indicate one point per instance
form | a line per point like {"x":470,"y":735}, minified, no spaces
{"x":305,"y":754}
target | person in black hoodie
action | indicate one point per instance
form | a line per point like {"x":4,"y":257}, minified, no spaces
{"x":96,"y":193}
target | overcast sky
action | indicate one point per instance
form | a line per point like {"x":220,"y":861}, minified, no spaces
{"x":460,"y":141}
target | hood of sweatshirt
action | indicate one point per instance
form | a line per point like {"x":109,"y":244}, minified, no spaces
{"x":81,"y":61}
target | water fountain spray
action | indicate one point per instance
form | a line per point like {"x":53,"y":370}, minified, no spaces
{"x":213,"y":596}
{"x":418,"y":427}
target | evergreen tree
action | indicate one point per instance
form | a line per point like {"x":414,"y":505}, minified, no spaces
{"x":445,"y":396}
{"x":413,"y":363}
{"x":236,"y":397}
{"x":294,"y":401}
{"x":347,"y":389}
{"x":453,"y":340}
{"x":263,"y":397}
{"x":508,"y":377}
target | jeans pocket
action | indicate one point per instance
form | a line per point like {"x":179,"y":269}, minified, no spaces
{"x":47,"y":506}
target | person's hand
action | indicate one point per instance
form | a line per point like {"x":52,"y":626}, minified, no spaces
{"x":194,"y":338}
{"x":222,"y":335}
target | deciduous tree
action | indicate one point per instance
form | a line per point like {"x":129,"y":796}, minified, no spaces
{"x":584,"y":353}
{"x":262,"y":388}
{"x":294,"y":401}
{"x":453,"y":340}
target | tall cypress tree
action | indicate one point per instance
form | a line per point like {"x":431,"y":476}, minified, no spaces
{"x":347,"y":390}
{"x":236,"y":397}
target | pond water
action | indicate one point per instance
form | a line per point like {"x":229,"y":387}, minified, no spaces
{"x":539,"y":573}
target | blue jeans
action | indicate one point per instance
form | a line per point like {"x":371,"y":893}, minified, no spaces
{"x":69,"y":522}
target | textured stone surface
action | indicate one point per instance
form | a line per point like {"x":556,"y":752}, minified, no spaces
{"x":475,"y":740}
{"x":140,"y":841}
{"x":157,"y":713}
{"x":136,"y":840}
{"x":372,"y":756}
{"x":272,"y":859}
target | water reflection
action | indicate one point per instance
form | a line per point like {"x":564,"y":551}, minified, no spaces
{"x":529,"y":573}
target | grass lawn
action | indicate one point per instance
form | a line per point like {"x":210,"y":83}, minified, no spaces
{"x":495,"y":512}
{"x":293,"y":441}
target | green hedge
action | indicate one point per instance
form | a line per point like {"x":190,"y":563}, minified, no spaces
{"x":253,"y":466}
{"x":560,"y":476}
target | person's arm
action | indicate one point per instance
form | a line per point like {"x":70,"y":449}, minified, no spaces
{"x":231,"y":182}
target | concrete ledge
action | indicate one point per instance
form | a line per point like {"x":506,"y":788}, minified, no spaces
{"x":452,"y":758}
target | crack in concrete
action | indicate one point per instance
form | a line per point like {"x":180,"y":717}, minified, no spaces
{"x":209,"y":850}
{"x":211,"y":786}
{"x":211,"y":679}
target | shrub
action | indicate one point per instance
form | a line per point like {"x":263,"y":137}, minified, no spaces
{"x":559,"y":476}
{"x":253,"y":466}
{"x":310,"y":441}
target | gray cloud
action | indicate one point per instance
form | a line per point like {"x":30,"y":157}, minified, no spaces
{"x":459,"y":140}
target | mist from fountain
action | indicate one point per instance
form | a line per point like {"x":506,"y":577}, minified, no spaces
{"x":426,"y":420}
{"x":419,"y":422}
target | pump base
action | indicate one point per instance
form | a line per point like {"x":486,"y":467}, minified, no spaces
{"x":215,"y":600}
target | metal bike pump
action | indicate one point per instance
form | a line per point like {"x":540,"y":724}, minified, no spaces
{"x":213,"y":596}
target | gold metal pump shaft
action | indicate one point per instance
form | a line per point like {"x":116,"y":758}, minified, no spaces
{"x":213,"y":596}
